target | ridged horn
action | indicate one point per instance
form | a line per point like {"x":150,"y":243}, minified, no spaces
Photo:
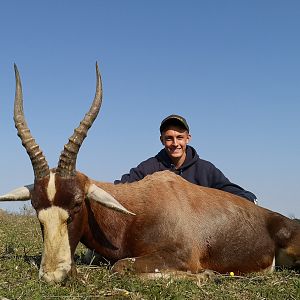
{"x":38,"y":160}
{"x":67,"y":161}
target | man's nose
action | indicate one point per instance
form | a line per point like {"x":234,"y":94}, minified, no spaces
{"x":175,"y":143}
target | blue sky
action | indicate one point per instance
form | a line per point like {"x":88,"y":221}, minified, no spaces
{"x":232,"y":68}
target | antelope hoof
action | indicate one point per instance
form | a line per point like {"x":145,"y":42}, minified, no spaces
{"x":124,"y":266}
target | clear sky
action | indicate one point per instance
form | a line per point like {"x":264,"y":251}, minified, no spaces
{"x":232,"y":68}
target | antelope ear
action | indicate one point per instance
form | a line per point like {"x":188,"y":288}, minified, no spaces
{"x":99,"y":195}
{"x":19,"y":194}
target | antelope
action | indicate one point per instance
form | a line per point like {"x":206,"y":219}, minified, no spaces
{"x":160,"y":225}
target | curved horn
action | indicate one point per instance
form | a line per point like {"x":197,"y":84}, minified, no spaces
{"x":19,"y":194}
{"x":67,"y":161}
{"x":38,"y":160}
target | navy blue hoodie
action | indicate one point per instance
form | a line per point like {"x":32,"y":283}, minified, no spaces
{"x":194,"y":169}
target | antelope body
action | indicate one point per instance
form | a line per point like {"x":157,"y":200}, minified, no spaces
{"x":168,"y":224}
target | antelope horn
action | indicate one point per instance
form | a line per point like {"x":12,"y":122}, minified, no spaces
{"x":38,"y":160}
{"x":19,"y":194}
{"x":67,"y":161}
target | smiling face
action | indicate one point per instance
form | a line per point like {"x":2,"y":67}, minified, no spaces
{"x":175,"y":138}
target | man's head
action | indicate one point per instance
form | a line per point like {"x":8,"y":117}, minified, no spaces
{"x":175,"y":120}
{"x":175,"y":136}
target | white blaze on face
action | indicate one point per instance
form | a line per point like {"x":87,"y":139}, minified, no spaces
{"x":56,"y":258}
{"x":51,"y":189}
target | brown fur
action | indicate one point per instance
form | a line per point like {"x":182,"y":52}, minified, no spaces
{"x":178,"y":226}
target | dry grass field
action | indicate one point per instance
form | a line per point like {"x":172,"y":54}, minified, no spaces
{"x":20,"y":253}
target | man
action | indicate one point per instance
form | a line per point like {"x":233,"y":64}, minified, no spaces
{"x":179,"y":157}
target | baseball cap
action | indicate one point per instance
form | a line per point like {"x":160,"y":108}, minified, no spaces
{"x":173,"y":120}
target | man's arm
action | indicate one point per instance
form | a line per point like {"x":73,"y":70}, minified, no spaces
{"x":239,"y":191}
{"x":145,"y":168}
{"x":221,"y":182}
{"x":135,"y":174}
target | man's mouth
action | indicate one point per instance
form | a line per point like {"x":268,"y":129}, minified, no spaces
{"x":176,"y":150}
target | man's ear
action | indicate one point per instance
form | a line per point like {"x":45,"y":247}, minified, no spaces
{"x":161,"y":139}
{"x":189,"y":138}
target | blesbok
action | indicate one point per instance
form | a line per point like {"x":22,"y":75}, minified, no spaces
{"x":168,"y":224}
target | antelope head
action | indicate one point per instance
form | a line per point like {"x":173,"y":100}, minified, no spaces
{"x":58,"y":195}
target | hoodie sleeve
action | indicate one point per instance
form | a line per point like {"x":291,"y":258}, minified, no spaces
{"x":145,"y":168}
{"x":219,"y":181}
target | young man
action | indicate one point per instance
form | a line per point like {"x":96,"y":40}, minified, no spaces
{"x":179,"y":157}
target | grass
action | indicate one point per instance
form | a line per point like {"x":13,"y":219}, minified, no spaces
{"x":20,"y":254}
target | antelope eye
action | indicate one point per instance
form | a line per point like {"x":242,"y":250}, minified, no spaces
{"x":69,"y":220}
{"x":76,"y":208}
